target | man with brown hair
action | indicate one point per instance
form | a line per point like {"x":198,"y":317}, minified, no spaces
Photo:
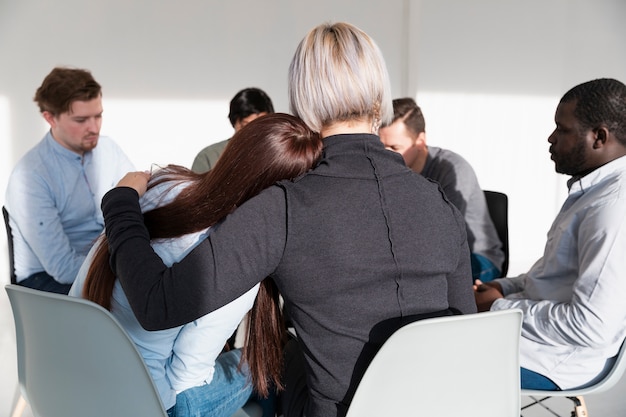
{"x":54,"y":192}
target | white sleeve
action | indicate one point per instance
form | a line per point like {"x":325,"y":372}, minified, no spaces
{"x":596,"y":312}
{"x":201,"y":341}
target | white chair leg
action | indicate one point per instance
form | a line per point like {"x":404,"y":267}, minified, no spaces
{"x":20,"y":405}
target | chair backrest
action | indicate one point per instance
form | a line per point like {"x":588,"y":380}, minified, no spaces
{"x":615,"y":369}
{"x":498,"y":205}
{"x":5,"y":214}
{"x":74,"y":359}
{"x":438,"y":367}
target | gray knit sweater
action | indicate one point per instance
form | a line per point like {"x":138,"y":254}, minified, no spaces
{"x":357,"y":246}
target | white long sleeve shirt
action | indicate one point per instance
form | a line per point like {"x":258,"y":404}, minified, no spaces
{"x":574,"y":297}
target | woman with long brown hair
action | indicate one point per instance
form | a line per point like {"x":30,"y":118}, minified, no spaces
{"x":180,"y":207}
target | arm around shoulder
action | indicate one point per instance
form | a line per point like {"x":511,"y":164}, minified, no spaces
{"x":244,"y":249}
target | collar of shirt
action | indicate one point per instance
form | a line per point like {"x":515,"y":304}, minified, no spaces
{"x":578,"y":184}
{"x":64,"y":152}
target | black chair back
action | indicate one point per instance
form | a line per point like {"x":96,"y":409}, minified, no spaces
{"x":5,"y":214}
{"x":498,"y":205}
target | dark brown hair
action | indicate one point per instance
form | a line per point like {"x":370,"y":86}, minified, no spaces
{"x":63,"y":86}
{"x":407,"y":110}
{"x":271,"y":148}
{"x":249,"y":101}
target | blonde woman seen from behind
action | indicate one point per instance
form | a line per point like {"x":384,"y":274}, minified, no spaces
{"x":358,"y":246}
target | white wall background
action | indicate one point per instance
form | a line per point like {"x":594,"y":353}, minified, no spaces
{"x":487,"y":73}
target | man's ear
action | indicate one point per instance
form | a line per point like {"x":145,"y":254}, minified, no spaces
{"x":49,"y":118}
{"x":601,"y":135}
{"x":420,"y":141}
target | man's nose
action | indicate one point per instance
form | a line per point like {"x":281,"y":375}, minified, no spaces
{"x":93,"y":125}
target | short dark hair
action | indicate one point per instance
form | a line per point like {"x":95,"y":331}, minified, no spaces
{"x":249,"y":101}
{"x":600,"y":102}
{"x":63,"y":86}
{"x":410,"y":113}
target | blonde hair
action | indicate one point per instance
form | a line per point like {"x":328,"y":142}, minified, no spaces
{"x":338,"y":74}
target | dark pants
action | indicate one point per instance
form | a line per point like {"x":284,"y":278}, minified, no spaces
{"x":44,"y":282}
{"x":293,"y":400}
{"x":533,"y":380}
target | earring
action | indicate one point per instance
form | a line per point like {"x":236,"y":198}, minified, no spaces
{"x":376,"y":118}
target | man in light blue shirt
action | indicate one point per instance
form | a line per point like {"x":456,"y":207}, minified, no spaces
{"x":54,"y":192}
{"x":573,"y":297}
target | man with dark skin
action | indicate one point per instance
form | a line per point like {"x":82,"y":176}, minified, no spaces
{"x":572,"y":297}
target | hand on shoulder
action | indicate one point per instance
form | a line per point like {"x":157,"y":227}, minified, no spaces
{"x":138,"y":180}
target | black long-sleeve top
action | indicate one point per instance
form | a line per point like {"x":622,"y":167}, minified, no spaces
{"x":357,"y":246}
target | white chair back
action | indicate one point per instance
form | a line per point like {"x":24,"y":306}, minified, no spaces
{"x":614,"y":370}
{"x":74,"y":359}
{"x":465,"y":365}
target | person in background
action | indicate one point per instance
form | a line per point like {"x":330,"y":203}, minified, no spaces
{"x":54,"y":192}
{"x":573,"y":296}
{"x":358,"y":246}
{"x":407,"y":136}
{"x":180,"y":207}
{"x":247,"y":105}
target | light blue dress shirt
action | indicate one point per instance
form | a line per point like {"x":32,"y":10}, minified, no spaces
{"x":53,"y":198}
{"x":574,"y":297}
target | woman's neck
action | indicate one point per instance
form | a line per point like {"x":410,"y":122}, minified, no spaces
{"x":349,"y":126}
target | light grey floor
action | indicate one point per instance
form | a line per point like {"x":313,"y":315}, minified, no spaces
{"x":609,"y":404}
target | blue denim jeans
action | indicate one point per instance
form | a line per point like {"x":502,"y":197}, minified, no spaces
{"x":483,"y":269}
{"x":228,"y":391}
{"x":533,"y":380}
{"x":44,"y":282}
